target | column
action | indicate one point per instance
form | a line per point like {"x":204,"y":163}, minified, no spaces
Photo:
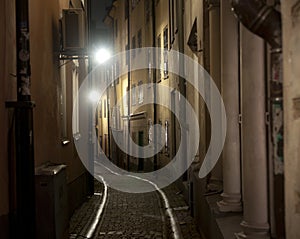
{"x":231,"y":195}
{"x":254,"y":155}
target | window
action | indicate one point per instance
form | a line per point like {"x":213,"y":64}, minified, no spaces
{"x":63,"y":99}
{"x":133,"y":46}
{"x":149,"y":59}
{"x":150,"y":131}
{"x":166,"y":64}
{"x":133,"y":95}
{"x":147,"y":11}
{"x":160,"y":136}
{"x":166,"y":45}
{"x":158,"y":58}
{"x":134,"y":3}
{"x":140,"y":92}
{"x":175,"y":26}
{"x":167,"y":137}
{"x":172,"y":21}
{"x":108,"y":75}
{"x":117,"y":72}
{"x":193,"y":39}
{"x":140,"y":38}
{"x":126,"y":9}
{"x":127,"y":54}
{"x":104,"y":108}
{"x":114,"y":118}
{"x":166,"y":39}
{"x":100,"y":109}
{"x":125,"y":99}
{"x":112,"y":75}
{"x":118,"y":115}
{"x":116,"y":28}
{"x":75,"y":75}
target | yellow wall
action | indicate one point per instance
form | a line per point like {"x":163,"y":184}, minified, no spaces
{"x":44,"y":30}
{"x":45,"y":90}
{"x":7,"y":92}
{"x":194,"y":13}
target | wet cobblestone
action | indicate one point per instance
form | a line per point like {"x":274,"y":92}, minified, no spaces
{"x":82,"y":217}
{"x":184,"y":219}
{"x":134,"y":215}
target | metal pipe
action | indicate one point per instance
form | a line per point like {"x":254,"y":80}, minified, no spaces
{"x":23,"y":50}
{"x":110,"y":156}
{"x":90,"y":176}
{"x":182,"y":81}
{"x":261,"y":19}
{"x":155,"y":166}
{"x":128,"y":84}
{"x":25,"y":185}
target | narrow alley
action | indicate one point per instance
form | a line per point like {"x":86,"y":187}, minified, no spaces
{"x":157,"y":119}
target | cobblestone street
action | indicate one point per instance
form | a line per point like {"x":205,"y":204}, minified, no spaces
{"x":128,"y":215}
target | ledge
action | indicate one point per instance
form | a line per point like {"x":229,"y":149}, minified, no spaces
{"x":211,"y":222}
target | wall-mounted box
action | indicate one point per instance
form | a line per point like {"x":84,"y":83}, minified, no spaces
{"x":51,"y":202}
{"x":73,"y":30}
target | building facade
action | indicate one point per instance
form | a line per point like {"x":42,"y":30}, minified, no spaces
{"x":251,"y":51}
{"x":54,"y":87}
{"x":253,"y":187}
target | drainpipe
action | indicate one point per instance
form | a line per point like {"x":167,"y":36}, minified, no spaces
{"x":129,"y":85}
{"x":182,"y":81}
{"x":155,"y":166}
{"x":24,"y":221}
{"x":261,"y":19}
{"x":110,"y":155}
{"x":90,"y":176}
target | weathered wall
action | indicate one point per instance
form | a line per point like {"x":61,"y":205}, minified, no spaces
{"x":164,"y":114}
{"x":44,"y":40}
{"x":7,"y":92}
{"x":291,"y":59}
{"x":195,"y":8}
{"x":46,"y":87}
{"x":45,"y":78}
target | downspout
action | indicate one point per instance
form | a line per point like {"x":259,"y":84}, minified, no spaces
{"x":155,"y":167}
{"x":115,"y":99}
{"x":90,"y":176}
{"x":182,"y":81}
{"x":261,"y":19}
{"x":114,"y":86}
{"x":128,"y":84}
{"x":108,"y":118}
{"x":265,"y":21}
{"x":24,"y":220}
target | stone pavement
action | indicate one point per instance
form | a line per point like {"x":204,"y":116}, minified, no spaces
{"x":181,"y":210}
{"x":83,"y":216}
{"x":133,"y":215}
